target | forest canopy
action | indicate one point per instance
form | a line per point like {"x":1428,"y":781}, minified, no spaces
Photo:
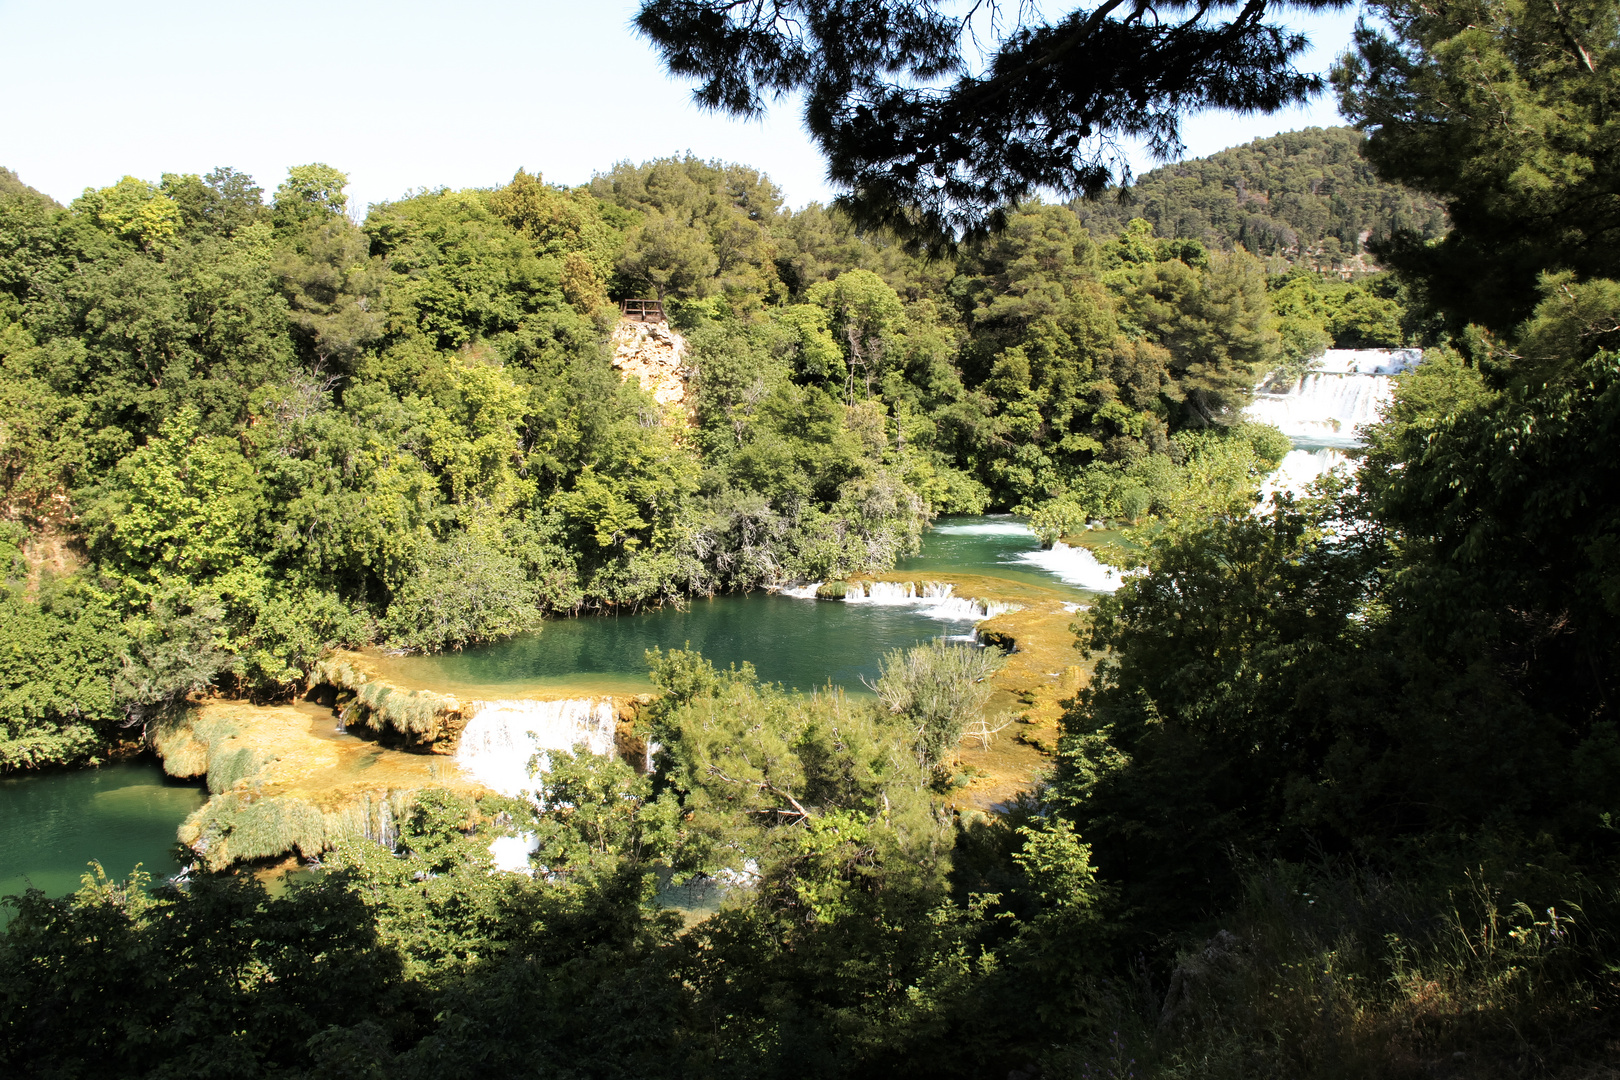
{"x":263,"y":426}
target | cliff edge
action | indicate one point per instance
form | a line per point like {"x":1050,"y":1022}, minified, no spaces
{"x":656,"y":356}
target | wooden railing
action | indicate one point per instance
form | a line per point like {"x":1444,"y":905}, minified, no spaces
{"x":642,"y":310}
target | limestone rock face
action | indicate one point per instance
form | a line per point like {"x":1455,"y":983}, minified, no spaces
{"x":656,"y":356}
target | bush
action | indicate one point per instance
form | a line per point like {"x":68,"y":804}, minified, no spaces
{"x":464,"y":593}
{"x":938,"y":688}
{"x":58,"y":661}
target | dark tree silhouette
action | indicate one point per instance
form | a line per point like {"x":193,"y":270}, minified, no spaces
{"x":933,"y":121}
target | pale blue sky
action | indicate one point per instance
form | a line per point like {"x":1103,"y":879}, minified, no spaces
{"x":400,"y":95}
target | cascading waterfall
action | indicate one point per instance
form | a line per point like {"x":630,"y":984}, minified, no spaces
{"x":1299,"y":467}
{"x":1324,"y":410}
{"x":503,"y":736}
{"x":802,"y":592}
{"x":387,"y":834}
{"x":1076,"y":566}
{"x":1348,"y":389}
{"x":377,"y":814}
{"x":936,"y":599}
{"x":893,"y":593}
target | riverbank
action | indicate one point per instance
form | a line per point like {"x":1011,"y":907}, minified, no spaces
{"x":376,"y":728}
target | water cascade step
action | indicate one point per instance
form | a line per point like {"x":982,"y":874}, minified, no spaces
{"x":935,"y":599}
{"x":1347,"y":390}
{"x":1323,"y":410}
{"x":503,"y":736}
{"x":1076,"y":566}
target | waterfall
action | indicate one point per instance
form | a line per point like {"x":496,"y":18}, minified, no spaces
{"x":512,"y":852}
{"x":1323,"y":408}
{"x":1007,"y":527}
{"x":503,"y":735}
{"x":936,"y":599}
{"x":963,"y":609}
{"x":387,"y":835}
{"x":885,"y":593}
{"x":1077,"y":566}
{"x":1299,"y":467}
{"x":1348,"y":389}
{"x":801,"y":592}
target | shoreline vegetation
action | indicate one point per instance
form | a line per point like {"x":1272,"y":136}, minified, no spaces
{"x":241,"y":434}
{"x":281,"y":784}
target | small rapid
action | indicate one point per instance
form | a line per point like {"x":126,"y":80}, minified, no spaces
{"x":1075,"y":566}
{"x":936,"y":600}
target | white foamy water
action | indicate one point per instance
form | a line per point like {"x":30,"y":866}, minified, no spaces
{"x":801,"y":592}
{"x":1348,"y":390}
{"x":1369,"y":361}
{"x":936,"y":600}
{"x":1324,"y":407}
{"x":1076,"y":566}
{"x":512,"y":852}
{"x":992,"y":528}
{"x":502,"y":736}
{"x":895,"y":593}
{"x":1300,"y":467}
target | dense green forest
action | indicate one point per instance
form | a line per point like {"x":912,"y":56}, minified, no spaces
{"x":238,"y":433}
{"x":1307,"y":198}
{"x":1340,"y":800}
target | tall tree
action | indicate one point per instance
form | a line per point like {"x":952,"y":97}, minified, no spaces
{"x":1506,"y":112}
{"x":930,"y":139}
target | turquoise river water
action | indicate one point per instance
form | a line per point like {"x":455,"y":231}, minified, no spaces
{"x":800,"y":643}
{"x":51,"y":825}
{"x":120,"y":814}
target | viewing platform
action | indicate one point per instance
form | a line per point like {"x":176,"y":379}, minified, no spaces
{"x":647,"y":311}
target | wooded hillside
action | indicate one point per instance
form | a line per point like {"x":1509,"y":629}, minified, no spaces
{"x":1307,"y":197}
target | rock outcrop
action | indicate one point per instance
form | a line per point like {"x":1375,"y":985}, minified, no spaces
{"x":655,"y":356}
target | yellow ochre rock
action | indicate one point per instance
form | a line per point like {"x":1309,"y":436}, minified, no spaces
{"x":655,"y":356}
{"x":283,"y":778}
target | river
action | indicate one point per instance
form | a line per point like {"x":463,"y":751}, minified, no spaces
{"x":799,"y":642}
{"x":121,"y":814}
{"x":127,"y":813}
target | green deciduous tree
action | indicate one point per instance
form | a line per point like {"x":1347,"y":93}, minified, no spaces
{"x":311,"y":193}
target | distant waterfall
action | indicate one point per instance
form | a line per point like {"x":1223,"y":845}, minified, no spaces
{"x":1299,"y":467}
{"x":1324,"y":407}
{"x":1324,"y":410}
{"x":503,"y":735}
{"x":1347,"y":390}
